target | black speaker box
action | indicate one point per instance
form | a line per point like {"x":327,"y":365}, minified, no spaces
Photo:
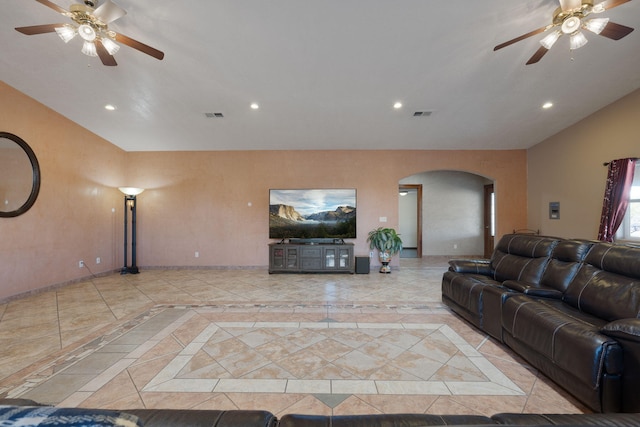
{"x":362,"y":265}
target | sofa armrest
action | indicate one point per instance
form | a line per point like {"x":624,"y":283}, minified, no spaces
{"x":627,"y":333}
{"x":626,"y":329}
{"x":532,"y":290}
{"x":470,"y":266}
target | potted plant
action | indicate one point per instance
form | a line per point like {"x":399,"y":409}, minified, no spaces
{"x":387,"y":242}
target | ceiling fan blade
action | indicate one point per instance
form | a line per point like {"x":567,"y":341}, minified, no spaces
{"x":105,"y":57}
{"x":538,"y":55}
{"x":615,"y":31}
{"x":108,"y":12}
{"x":53,"y":6}
{"x":139,"y":46}
{"x":570,"y":4}
{"x":610,"y":4}
{"x":39,"y":29}
{"x":522,"y":37}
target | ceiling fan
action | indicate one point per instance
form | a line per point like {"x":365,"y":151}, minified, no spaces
{"x":91,"y":24}
{"x":569,"y":19}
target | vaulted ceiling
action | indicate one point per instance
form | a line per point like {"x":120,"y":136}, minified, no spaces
{"x":325,"y":73}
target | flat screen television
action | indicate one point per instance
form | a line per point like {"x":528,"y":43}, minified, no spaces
{"x":312,"y":214}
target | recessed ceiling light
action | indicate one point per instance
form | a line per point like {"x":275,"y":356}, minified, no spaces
{"x":547,"y":105}
{"x":397,"y":105}
{"x":110,"y":107}
{"x":254,"y":106}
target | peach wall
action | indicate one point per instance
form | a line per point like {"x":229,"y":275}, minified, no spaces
{"x":211,"y":202}
{"x":567,"y":168}
{"x":72,"y":218}
{"x":215,"y":203}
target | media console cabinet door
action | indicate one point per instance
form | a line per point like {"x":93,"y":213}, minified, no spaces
{"x":338,"y":258}
{"x":301,"y":258}
{"x":292,"y":258}
{"x":276,"y":258}
{"x":283,"y":258}
{"x":345,"y":258}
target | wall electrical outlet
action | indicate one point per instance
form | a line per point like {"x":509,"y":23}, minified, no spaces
{"x":197,"y":254}
{"x":98,"y":260}
{"x":80,"y":264}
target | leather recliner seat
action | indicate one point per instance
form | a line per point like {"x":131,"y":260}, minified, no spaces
{"x":569,"y":307}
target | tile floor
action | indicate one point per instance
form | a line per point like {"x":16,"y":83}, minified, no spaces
{"x":244,"y":339}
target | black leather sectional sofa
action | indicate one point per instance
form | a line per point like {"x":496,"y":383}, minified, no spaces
{"x":569,"y":307}
{"x":72,"y":417}
{"x":421,"y":420}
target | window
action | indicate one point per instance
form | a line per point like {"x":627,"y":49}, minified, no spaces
{"x":630,"y":229}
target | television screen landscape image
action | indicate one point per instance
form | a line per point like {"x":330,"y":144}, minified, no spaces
{"x":312,"y":214}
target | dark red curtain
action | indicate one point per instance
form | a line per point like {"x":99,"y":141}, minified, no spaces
{"x":616,"y":197}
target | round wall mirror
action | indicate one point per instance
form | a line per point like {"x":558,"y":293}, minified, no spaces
{"x":19,"y":176}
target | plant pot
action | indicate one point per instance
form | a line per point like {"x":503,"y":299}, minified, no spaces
{"x":385,"y":259}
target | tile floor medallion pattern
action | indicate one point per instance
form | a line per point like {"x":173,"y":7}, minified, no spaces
{"x":382,"y":354}
{"x":283,"y":357}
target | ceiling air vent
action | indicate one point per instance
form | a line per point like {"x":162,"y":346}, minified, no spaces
{"x":213,"y":115}
{"x":422,"y":113}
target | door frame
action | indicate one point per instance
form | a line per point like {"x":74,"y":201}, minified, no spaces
{"x":418,"y":189}
{"x":489,"y":239}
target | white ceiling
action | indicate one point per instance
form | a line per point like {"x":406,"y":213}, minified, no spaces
{"x":325,"y":73}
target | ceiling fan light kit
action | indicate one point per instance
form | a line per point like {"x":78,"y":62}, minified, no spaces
{"x":87,"y":32}
{"x":89,"y":49}
{"x":596,"y":25}
{"x":550,"y":39}
{"x":577,"y":40}
{"x":91,"y":24}
{"x":66,"y":32}
{"x":570,"y":18}
{"x":570,"y":25}
{"x":111,"y":46}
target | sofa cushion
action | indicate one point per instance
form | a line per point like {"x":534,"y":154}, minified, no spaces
{"x":521,"y":257}
{"x":619,"y":259}
{"x":604,"y":420}
{"x":566,"y":258}
{"x":558,"y":332}
{"x":204,"y":418}
{"x":608,"y":284}
{"x":382,"y":420}
{"x":527,"y":245}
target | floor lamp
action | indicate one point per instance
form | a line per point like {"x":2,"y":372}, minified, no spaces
{"x":130,"y":202}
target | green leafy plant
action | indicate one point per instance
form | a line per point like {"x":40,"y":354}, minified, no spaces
{"x":385,"y":240}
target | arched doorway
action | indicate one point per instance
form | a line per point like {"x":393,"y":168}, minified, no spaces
{"x":452,"y":212}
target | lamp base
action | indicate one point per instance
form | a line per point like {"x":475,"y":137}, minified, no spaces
{"x":129,"y":270}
